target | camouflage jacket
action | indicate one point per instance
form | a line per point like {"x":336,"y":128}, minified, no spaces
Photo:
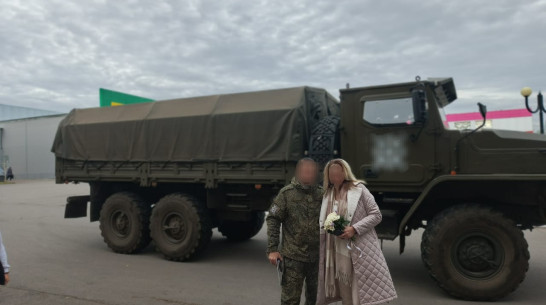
{"x":297,"y":209}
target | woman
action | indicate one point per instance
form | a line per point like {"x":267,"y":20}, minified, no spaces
{"x":4,"y":266}
{"x":352,"y":267}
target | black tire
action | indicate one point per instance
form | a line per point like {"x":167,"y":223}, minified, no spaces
{"x":125,"y":222}
{"x":324,"y":140}
{"x":180,"y":227}
{"x":475,"y":253}
{"x":243,"y":230}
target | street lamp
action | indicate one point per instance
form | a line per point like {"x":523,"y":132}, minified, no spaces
{"x":526,"y":92}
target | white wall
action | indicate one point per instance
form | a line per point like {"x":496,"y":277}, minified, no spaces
{"x":27,"y":143}
{"x":519,"y":124}
{"x":524,"y":124}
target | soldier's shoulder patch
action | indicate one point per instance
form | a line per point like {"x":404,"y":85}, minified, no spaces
{"x":274,"y":209}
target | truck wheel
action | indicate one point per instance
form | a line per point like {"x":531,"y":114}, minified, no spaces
{"x":180,"y":227}
{"x":124,"y":223}
{"x":475,"y":253}
{"x":243,"y":230}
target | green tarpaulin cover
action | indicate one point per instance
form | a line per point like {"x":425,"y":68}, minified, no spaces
{"x":268,"y":125}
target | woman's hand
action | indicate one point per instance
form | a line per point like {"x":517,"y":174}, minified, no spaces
{"x":348,"y":233}
{"x":6,"y":276}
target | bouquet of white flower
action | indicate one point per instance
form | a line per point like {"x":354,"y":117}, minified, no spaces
{"x":335,"y":224}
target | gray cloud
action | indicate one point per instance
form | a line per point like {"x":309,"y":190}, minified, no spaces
{"x":56,"y":54}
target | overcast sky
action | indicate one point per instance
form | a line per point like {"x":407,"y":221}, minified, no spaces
{"x":57,"y":54}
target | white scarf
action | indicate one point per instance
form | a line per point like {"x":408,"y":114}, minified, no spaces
{"x":339,"y":266}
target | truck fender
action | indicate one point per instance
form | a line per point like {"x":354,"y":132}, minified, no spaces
{"x":445,"y":178}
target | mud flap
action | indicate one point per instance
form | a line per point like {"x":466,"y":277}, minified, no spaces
{"x":76,"y":206}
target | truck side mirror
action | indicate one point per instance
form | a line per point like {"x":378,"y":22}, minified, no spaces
{"x":483,"y":110}
{"x":419,"y":105}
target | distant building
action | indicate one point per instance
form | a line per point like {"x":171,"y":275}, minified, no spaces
{"x":513,"y":119}
{"x":10,"y":112}
{"x":26,"y":136}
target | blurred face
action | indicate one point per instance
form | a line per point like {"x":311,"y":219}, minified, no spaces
{"x":336,"y":174}
{"x":306,"y":173}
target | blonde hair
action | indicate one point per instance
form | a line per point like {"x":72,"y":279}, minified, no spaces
{"x":349,"y":176}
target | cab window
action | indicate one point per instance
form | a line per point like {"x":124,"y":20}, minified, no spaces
{"x":389,"y":112}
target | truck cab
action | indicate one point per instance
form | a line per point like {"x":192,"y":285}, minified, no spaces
{"x":473,"y":191}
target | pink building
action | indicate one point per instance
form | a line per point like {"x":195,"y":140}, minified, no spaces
{"x":513,"y":119}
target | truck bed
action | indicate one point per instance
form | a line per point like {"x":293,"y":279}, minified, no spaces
{"x":147,"y":173}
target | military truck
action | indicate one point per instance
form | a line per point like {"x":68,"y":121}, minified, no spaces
{"x":171,"y":171}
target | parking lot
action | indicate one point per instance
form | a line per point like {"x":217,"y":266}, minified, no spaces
{"x":64,"y":261}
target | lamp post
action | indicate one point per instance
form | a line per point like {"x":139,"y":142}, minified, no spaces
{"x":526,"y":92}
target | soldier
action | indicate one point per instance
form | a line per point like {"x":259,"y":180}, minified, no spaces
{"x":297,"y":209}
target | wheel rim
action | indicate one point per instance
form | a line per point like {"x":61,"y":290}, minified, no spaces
{"x":174,"y":227}
{"x":120,"y":223}
{"x":478,"y":255}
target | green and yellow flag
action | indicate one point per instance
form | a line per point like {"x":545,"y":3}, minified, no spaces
{"x":110,"y":98}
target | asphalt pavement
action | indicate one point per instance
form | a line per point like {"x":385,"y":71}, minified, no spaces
{"x":64,"y":261}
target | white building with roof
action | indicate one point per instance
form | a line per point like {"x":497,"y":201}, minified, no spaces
{"x":26,"y":135}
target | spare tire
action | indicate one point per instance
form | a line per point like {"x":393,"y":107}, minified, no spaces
{"x":324,"y":143}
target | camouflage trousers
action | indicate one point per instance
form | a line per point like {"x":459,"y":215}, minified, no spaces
{"x":295,"y":273}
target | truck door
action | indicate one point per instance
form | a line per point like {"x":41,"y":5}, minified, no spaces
{"x":395,"y":150}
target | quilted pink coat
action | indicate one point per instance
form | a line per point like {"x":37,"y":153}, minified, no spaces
{"x":371,"y":270}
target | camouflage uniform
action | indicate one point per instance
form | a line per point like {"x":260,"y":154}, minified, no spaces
{"x":298,"y":209}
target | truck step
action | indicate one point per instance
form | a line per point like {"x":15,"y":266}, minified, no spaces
{"x":388,"y":228}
